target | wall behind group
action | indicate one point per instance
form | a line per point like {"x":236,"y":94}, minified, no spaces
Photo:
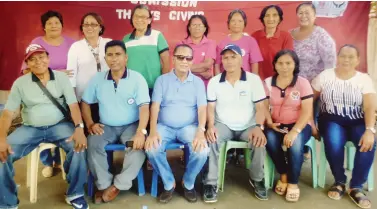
{"x":21,"y":23}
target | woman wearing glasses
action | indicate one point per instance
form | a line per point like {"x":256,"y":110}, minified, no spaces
{"x":204,"y":48}
{"x":87,"y":56}
{"x":147,"y":49}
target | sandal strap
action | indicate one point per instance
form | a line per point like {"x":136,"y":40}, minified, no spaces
{"x":334,"y":188}
{"x":354,"y":192}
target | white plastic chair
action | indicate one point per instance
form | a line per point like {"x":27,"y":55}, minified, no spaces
{"x":32,"y":168}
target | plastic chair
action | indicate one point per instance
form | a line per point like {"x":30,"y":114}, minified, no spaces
{"x":155,"y":174}
{"x":32,"y":168}
{"x":350,"y":153}
{"x":110,"y":150}
{"x":312,"y":145}
{"x":268,"y":165}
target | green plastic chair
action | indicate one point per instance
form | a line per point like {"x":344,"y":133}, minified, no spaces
{"x":268,"y":165}
{"x":350,"y":153}
{"x":313,"y":149}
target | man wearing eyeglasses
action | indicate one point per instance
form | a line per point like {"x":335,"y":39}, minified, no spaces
{"x":178,"y":113}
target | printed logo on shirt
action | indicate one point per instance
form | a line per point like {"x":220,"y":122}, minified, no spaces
{"x":203,"y":54}
{"x":243,"y":52}
{"x":295,"y":95}
{"x":130,"y":101}
{"x":243,"y":93}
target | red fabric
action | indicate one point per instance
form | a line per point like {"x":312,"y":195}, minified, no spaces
{"x":21,"y":23}
{"x":269,"y":47}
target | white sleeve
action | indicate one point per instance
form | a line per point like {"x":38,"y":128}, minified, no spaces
{"x":211,"y":90}
{"x":316,"y":82}
{"x":72,"y":63}
{"x":368,"y":87}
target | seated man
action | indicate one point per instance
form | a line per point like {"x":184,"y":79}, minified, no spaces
{"x":179,"y":104}
{"x":236,"y":98}
{"x":123,"y":98}
{"x":43,"y":122}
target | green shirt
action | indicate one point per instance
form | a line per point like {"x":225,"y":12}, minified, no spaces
{"x":37,"y":108}
{"x":144,"y":54}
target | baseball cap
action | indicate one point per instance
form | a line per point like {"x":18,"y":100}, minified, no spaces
{"x":236,"y":49}
{"x":32,"y":48}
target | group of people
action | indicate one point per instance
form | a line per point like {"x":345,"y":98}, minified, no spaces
{"x":271,"y":89}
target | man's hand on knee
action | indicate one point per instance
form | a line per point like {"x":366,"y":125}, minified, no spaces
{"x":153,"y":141}
{"x":5,"y":150}
{"x":257,"y":137}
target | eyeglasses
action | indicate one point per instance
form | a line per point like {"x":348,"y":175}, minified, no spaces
{"x":137,"y":17}
{"x":90,"y":25}
{"x":181,"y":58}
{"x":197,"y":25}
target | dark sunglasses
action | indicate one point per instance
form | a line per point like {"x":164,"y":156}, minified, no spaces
{"x":181,"y":58}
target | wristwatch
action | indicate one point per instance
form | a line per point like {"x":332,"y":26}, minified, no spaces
{"x":144,"y":131}
{"x":261,"y":126}
{"x":372,"y":129}
{"x":79,"y":125}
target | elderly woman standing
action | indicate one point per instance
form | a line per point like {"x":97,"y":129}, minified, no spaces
{"x":204,"y":48}
{"x":347,"y":114}
{"x":271,"y":39}
{"x":315,"y":48}
{"x":86,"y":57}
{"x":291,"y":101}
{"x":251,"y":54}
{"x":57,"y":46}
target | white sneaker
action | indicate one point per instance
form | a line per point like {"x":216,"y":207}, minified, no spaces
{"x":48,"y":171}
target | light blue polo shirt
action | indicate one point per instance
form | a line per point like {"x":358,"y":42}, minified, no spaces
{"x":179,"y":101}
{"x":118,"y":104}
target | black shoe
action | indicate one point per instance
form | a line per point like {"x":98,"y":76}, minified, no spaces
{"x":190,"y":195}
{"x":210,"y":194}
{"x":259,"y":189}
{"x":166,"y":196}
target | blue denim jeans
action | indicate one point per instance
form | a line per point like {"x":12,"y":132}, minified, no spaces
{"x":24,"y":140}
{"x":335,"y":136}
{"x":49,"y":157}
{"x":157,"y":157}
{"x":294,"y":154}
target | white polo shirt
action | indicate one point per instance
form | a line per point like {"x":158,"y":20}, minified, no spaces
{"x":235,"y":104}
{"x":81,"y":60}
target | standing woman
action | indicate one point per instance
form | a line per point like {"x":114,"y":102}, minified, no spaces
{"x":251,"y":54}
{"x":204,"y":48}
{"x":315,"y":48}
{"x":147,"y":49}
{"x":86,"y":57}
{"x":271,"y":39}
{"x":57,"y":47}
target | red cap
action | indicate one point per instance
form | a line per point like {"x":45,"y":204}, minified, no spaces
{"x":32,"y":48}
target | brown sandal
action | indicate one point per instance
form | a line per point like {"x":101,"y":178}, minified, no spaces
{"x":281,"y":188}
{"x":357,"y":195}
{"x":334,"y":188}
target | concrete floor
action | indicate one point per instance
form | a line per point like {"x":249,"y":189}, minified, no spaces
{"x":237,"y":194}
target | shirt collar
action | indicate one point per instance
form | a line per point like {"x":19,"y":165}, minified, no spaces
{"x":276,"y":34}
{"x":292,"y":84}
{"x":110,"y":77}
{"x":242,"y":78}
{"x":190,"y":76}
{"x":188,"y":40}
{"x":147,"y":33}
{"x":34,"y":78}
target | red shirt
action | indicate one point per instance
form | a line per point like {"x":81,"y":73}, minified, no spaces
{"x":269,"y":47}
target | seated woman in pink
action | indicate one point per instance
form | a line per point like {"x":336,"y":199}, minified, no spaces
{"x":204,"y":48}
{"x":291,"y":103}
{"x":251,"y":54}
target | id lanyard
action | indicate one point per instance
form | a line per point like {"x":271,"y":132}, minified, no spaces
{"x":95,"y":53}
